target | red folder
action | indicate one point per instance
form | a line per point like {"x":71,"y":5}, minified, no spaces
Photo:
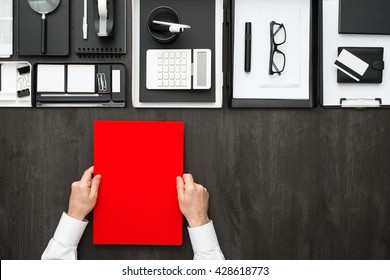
{"x":137,"y":202}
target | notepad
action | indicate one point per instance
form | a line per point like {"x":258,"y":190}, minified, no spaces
{"x":81,"y":78}
{"x":51,"y":78}
{"x":139,"y":163}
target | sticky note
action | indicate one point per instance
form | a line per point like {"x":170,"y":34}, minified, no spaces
{"x":81,"y":78}
{"x":51,"y":78}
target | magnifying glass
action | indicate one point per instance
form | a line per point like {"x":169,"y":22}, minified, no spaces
{"x":43,"y":7}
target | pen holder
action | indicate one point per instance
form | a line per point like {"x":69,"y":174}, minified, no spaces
{"x":167,"y":14}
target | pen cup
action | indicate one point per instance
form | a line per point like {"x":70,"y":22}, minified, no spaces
{"x":167,"y":14}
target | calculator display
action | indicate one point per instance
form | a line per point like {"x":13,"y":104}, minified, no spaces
{"x":201,"y":73}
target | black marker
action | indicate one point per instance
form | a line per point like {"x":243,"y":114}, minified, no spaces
{"x":248,"y":46}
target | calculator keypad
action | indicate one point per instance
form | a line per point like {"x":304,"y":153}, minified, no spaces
{"x":168,"y":69}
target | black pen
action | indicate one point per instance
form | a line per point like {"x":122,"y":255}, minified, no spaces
{"x":248,"y":46}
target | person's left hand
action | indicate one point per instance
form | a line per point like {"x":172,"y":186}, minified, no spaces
{"x":84,"y":195}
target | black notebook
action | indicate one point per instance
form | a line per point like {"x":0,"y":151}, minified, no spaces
{"x":364,"y":17}
{"x":94,"y":45}
{"x":29,"y":30}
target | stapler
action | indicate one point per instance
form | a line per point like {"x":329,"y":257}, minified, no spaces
{"x":104,"y":17}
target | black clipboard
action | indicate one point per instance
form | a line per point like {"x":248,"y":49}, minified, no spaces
{"x":311,"y":102}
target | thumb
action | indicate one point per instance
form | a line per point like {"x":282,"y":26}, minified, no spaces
{"x":95,"y":186}
{"x":180,"y":187}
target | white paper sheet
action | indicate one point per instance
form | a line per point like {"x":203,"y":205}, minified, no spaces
{"x":8,"y":81}
{"x":247,"y":85}
{"x":290,"y":17}
{"x":6,"y":30}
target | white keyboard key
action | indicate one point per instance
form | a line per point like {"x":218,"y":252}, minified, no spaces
{"x":183,"y":76}
{"x":183,"y":69}
{"x":160,"y":69}
{"x":177,"y":54}
{"x":184,"y":62}
{"x":160,"y":83}
{"x":165,"y":68}
{"x":160,"y":76}
{"x":171,"y":68}
{"x":178,"y":61}
{"x":160,"y":54}
{"x":166,"y":76}
{"x":177,"y":83}
{"x":166,"y":83}
{"x":184,"y":54}
{"x":172,"y":55}
{"x":166,"y":62}
{"x":177,"y":76}
{"x":177,"y":69}
{"x":160,"y":62}
{"x":171,"y":76}
{"x":171,"y":83}
{"x":166,"y":55}
{"x":183,"y":83}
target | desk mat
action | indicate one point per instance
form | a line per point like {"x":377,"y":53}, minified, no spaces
{"x":200,"y":15}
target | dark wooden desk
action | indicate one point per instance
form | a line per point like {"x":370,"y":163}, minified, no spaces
{"x":284,"y":184}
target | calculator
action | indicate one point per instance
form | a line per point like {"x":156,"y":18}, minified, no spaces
{"x":178,"y":69}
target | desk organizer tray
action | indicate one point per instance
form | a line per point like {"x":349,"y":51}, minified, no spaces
{"x":295,"y":87}
{"x":79,"y":85}
{"x":206,"y":20}
{"x":348,"y":95}
{"x":15,"y":84}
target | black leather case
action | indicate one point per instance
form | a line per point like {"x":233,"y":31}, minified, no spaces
{"x":374,"y":58}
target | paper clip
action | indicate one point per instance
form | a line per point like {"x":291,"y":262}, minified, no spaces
{"x":102,"y":82}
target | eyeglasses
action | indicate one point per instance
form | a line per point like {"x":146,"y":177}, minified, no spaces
{"x":277,"y":59}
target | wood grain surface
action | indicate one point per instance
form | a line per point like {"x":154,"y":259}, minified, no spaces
{"x":284,"y":184}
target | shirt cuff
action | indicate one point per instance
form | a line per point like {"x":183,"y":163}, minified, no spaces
{"x":69,"y":231}
{"x":203,"y":238}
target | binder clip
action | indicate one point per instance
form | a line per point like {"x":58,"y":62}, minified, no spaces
{"x":104,"y":17}
{"x":23,"y":82}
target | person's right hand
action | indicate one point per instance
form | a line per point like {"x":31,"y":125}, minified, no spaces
{"x":84,"y":195}
{"x":193,"y":200}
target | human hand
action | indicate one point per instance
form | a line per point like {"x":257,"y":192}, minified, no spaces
{"x":193,"y":200}
{"x":84,"y":195}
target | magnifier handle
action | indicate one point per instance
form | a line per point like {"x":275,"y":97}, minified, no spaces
{"x":43,"y":34}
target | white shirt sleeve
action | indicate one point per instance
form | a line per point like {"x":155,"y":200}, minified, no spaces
{"x":205,"y":243}
{"x":63,"y":245}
